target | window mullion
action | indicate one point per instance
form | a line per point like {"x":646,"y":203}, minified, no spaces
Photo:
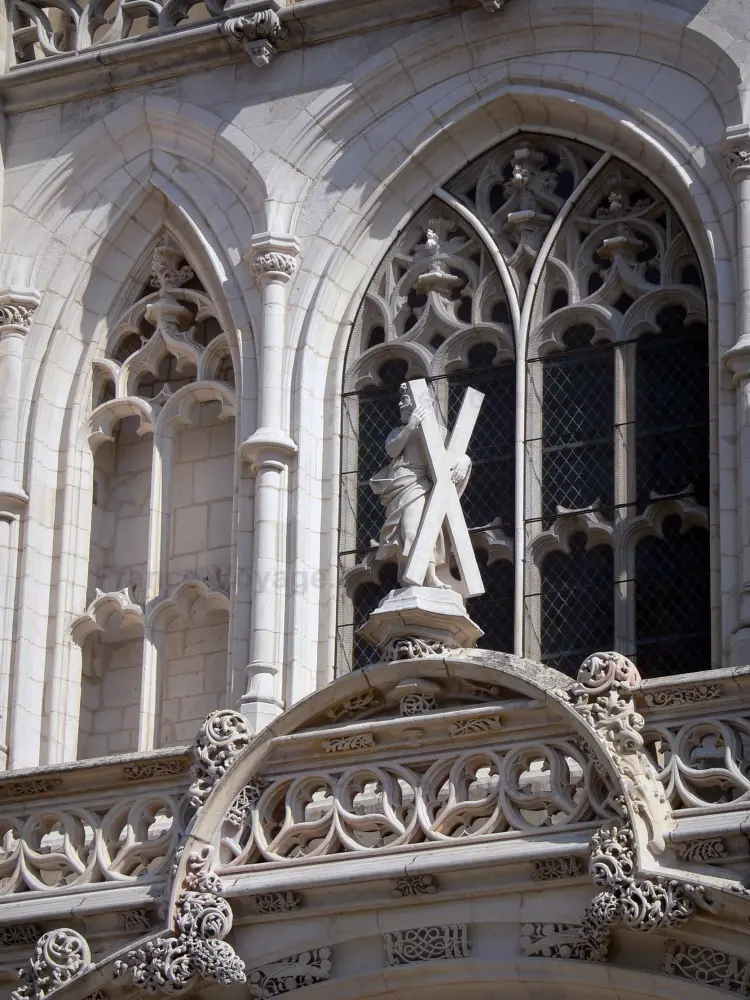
{"x":624,"y":496}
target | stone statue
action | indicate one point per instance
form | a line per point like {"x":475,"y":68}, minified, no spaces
{"x":420,"y":490}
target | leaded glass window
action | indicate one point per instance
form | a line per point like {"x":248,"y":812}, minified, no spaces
{"x":561,"y":284}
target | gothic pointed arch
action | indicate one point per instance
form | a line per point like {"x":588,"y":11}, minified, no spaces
{"x":161,"y":430}
{"x":561,"y":282}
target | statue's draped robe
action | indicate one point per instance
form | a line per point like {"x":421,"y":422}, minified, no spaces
{"x":399,"y":484}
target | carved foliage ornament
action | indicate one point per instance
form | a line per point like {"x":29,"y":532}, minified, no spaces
{"x":274,"y":263}
{"x":16,"y":312}
{"x":641,"y":904}
{"x":196,"y":947}
{"x":221,"y":738}
{"x":58,"y":957}
{"x":737,"y":160}
{"x":291,"y":973}
{"x":604,"y":696}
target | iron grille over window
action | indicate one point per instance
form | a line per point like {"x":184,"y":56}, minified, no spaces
{"x":557,"y":269}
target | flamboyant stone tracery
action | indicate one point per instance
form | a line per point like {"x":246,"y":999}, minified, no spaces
{"x":564,"y":264}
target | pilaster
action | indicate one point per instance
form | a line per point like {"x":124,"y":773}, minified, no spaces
{"x":17,"y":309}
{"x":737,"y":360}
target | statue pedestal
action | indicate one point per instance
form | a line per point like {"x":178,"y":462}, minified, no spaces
{"x":420,"y":621}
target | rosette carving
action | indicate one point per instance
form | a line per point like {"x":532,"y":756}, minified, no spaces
{"x":221,"y":738}
{"x":58,"y":957}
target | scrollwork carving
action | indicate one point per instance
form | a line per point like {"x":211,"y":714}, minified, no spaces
{"x":171,"y":964}
{"x":274,"y":902}
{"x":707,"y":966}
{"x":415,"y":885}
{"x":426,"y":944}
{"x":641,"y":904}
{"x":604,"y":696}
{"x":552,"y":868}
{"x":221,"y":738}
{"x":561,"y":941}
{"x":683,"y":695}
{"x":58,"y":957}
{"x":291,"y":973}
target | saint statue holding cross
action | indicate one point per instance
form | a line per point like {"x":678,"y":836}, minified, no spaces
{"x":421,"y":488}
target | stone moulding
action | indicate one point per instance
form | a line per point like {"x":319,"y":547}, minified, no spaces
{"x":415,"y":885}
{"x":59,"y":956}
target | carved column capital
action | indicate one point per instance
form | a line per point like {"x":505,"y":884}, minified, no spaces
{"x":737,"y":152}
{"x":273,"y":257}
{"x":17,"y":308}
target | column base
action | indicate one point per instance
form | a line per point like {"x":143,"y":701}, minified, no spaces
{"x":258,"y":704}
{"x":260,"y":714}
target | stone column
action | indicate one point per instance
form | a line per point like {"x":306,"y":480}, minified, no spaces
{"x":737,"y":359}
{"x":269,"y":450}
{"x":17,"y":308}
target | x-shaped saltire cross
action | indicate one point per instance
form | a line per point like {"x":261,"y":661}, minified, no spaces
{"x":443,"y":503}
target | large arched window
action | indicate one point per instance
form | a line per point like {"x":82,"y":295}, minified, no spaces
{"x":560,"y":283}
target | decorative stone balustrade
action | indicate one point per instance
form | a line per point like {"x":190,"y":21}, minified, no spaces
{"x":469,"y":766}
{"x":115,"y":821}
{"x":54,"y":28}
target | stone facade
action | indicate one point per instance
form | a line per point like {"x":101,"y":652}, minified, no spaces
{"x":220,"y":225}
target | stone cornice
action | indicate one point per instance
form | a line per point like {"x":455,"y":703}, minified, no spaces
{"x":208,"y":45}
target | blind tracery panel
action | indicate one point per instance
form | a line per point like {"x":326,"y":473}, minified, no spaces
{"x":561,"y":284}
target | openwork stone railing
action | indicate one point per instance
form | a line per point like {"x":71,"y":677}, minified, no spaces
{"x":117,"y":822}
{"x":43,"y":28}
{"x":436,"y":798}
